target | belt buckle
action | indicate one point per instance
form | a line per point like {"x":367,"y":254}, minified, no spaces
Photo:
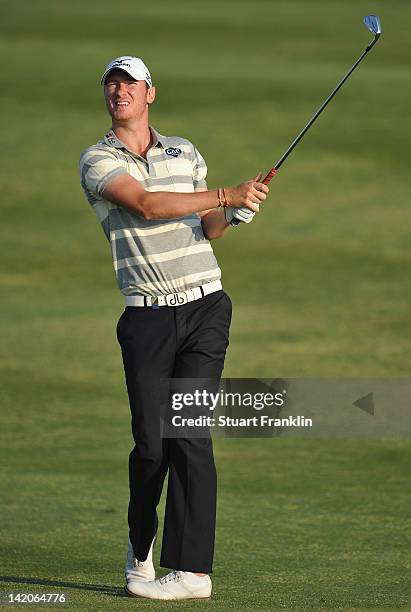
{"x":176,"y":299}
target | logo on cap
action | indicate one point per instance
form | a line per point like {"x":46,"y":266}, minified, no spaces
{"x":121,"y":63}
{"x":173,"y":151}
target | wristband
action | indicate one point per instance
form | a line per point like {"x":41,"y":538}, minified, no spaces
{"x":222,"y":200}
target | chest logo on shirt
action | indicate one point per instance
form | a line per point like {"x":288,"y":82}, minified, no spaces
{"x":173,"y":152}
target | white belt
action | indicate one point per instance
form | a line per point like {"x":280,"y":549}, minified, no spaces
{"x":174,"y":299}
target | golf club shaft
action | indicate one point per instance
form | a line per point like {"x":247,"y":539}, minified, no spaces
{"x":282,"y":159}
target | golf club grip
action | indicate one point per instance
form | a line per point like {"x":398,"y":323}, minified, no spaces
{"x":269,"y":176}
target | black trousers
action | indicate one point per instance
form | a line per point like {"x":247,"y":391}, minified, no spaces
{"x":187,"y":341}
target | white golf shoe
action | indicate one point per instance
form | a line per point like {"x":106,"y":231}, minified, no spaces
{"x":175,"y":585}
{"x":139,"y":571}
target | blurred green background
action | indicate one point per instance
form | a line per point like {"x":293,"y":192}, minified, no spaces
{"x":320,"y":283}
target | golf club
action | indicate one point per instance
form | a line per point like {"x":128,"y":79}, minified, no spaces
{"x":374,"y":25}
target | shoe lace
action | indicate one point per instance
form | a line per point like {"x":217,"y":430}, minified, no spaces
{"x":172,"y":576}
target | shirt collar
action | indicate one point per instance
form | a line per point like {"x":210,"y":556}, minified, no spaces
{"x":113,"y":141}
{"x":158,"y":139}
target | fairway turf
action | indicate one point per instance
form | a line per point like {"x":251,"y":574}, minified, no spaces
{"x":320,"y":284}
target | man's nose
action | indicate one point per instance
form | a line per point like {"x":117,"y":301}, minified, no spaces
{"x":121,"y":87}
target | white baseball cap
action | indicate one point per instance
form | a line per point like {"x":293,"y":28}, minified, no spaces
{"x":134,"y":66}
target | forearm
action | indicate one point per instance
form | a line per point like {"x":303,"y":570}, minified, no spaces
{"x":214,"y":224}
{"x":170,"y":205}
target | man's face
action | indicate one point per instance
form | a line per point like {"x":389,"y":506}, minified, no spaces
{"x":125,"y":97}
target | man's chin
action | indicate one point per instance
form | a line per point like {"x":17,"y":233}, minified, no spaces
{"x":121,"y":115}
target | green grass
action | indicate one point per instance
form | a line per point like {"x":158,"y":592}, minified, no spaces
{"x":320,"y":284}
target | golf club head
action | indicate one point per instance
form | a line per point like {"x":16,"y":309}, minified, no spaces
{"x":373,"y":24}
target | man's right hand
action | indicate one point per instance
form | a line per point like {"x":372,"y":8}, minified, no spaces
{"x":249,"y":194}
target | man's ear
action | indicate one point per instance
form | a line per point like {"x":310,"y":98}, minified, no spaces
{"x":151,"y":95}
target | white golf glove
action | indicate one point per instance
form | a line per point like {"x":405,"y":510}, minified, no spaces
{"x":243,"y":214}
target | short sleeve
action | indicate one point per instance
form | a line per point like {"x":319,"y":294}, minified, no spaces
{"x":199,"y":171}
{"x":97,"y":168}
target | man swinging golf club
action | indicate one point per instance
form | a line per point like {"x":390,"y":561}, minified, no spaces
{"x":150,"y":195}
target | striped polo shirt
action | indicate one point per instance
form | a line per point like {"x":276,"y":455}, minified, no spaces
{"x":158,"y":256}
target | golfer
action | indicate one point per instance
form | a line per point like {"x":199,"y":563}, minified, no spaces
{"x":150,"y":196}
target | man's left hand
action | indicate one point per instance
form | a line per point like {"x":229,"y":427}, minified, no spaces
{"x":244,"y":215}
